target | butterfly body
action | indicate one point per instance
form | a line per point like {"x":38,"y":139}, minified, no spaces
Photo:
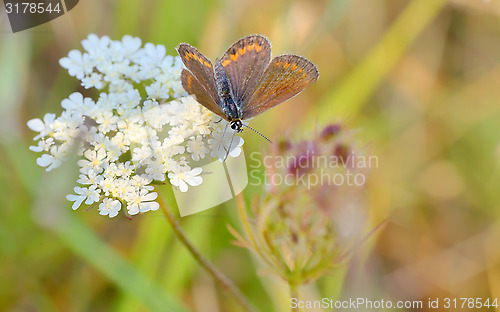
{"x":245,"y":82}
{"x":226,"y":97}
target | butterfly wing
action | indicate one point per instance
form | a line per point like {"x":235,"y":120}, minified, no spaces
{"x":245,"y":62}
{"x":199,"y":79}
{"x":194,"y":87}
{"x":286,"y":76}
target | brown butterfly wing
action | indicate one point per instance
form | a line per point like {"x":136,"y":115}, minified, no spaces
{"x":286,"y":76}
{"x":194,"y":87}
{"x":200,"y":67}
{"x":245,"y":63}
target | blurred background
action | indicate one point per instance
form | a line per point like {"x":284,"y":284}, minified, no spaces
{"x":419,"y":79}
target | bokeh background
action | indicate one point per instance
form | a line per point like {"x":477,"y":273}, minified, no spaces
{"x":420,"y":80}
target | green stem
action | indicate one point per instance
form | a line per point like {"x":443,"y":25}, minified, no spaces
{"x":294,"y":293}
{"x":220,"y":278}
{"x":242,"y":210}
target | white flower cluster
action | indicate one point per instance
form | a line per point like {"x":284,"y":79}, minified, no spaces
{"x":142,"y":129}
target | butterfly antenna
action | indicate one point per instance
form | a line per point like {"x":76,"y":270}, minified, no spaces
{"x":257,"y":133}
{"x":229,"y":149}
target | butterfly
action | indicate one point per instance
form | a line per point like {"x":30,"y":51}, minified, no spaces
{"x":244,"y":82}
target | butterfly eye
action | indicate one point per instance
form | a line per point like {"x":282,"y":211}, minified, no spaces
{"x":234,"y":126}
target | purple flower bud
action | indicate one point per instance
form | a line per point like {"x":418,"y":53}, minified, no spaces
{"x":303,"y":161}
{"x":330,"y":131}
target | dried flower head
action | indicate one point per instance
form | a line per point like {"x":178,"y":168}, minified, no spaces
{"x":142,"y":128}
{"x":312,"y":213}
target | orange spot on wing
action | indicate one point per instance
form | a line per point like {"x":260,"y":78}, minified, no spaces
{"x":207,"y":64}
{"x":258,"y":48}
{"x":225,"y":63}
{"x":200,"y":59}
{"x":242,"y":51}
{"x":286,"y":65}
{"x":294,"y":66}
{"x":187,"y":55}
{"x":250,"y":47}
{"x":234,"y":57}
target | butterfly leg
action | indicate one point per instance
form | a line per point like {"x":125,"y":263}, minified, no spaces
{"x":221,"y":141}
{"x":218,"y":120}
{"x":229,"y":148}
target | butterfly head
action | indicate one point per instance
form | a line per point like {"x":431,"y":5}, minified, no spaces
{"x":236,"y":125}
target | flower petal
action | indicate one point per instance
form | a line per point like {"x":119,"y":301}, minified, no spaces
{"x":36,"y":125}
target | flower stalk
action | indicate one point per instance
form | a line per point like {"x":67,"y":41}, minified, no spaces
{"x":220,"y":278}
{"x":294,"y":293}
